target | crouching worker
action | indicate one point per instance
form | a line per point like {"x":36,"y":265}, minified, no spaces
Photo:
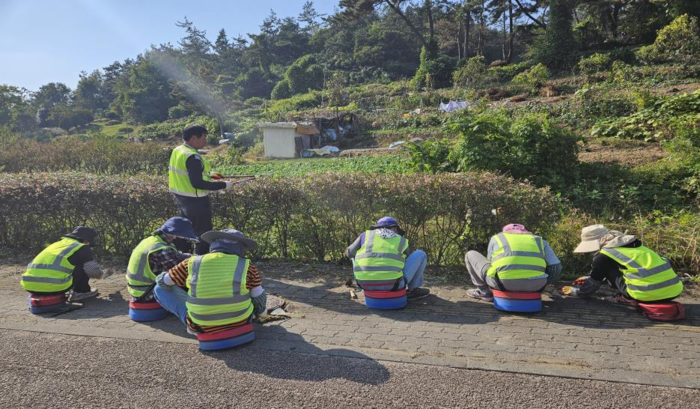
{"x":637,"y":273}
{"x":64,"y":265}
{"x":156,"y":254}
{"x":517,"y":261}
{"x":217,"y":291}
{"x":382,"y":260}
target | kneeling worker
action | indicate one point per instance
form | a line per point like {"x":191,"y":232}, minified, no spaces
{"x":155,"y":254}
{"x":64,"y":265}
{"x":217,"y":291}
{"x":636,"y":272}
{"x":517,"y":261}
{"x":382,"y":260}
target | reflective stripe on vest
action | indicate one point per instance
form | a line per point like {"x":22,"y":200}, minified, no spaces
{"x":380,"y":262}
{"x":50,"y":271}
{"x":178,"y":177}
{"x":139,"y":276}
{"x":516,"y":258}
{"x":213,"y":298}
{"x":648,"y":276}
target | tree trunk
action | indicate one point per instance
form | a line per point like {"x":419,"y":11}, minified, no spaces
{"x":429,"y":9}
{"x":504,"y":47}
{"x":397,"y":10}
{"x":534,"y":20}
{"x":459,"y":38}
{"x":511,"y":40}
{"x":467,"y":32}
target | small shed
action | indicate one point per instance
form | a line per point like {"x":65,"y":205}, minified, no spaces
{"x":288,"y":139}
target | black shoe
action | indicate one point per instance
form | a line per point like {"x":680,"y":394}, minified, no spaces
{"x":417,"y":293}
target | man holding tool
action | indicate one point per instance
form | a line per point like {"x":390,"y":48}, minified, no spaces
{"x":190,"y":181}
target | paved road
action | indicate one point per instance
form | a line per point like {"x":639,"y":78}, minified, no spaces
{"x":334,"y":351}
{"x":53,"y":370}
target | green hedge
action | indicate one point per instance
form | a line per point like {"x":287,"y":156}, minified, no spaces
{"x":297,"y":218}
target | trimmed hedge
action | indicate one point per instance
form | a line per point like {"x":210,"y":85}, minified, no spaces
{"x":297,"y":218}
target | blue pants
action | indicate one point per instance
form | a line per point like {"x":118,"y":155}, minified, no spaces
{"x":172,"y":298}
{"x":414,"y":269}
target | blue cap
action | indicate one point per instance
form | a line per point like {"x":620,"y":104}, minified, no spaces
{"x":180,"y":227}
{"x":386,"y":222}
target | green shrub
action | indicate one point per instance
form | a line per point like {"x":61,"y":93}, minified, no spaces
{"x":506,"y":73}
{"x":621,"y":73}
{"x":531,"y":147}
{"x":125,"y":129}
{"x":432,"y":156}
{"x":298,"y":218}
{"x":282,"y":90}
{"x":534,"y":78}
{"x":656,"y":121}
{"x":97,"y":155}
{"x":473,"y":74}
{"x":595,"y":63}
{"x":678,"y":42}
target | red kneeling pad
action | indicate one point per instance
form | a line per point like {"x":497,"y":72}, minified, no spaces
{"x":672,"y":311}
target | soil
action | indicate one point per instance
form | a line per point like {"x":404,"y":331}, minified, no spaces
{"x":623,"y":155}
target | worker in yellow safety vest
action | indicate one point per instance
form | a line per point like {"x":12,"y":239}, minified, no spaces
{"x":65,"y":265}
{"x":155,"y":254}
{"x":217,"y":291}
{"x":382,"y":260}
{"x":517,"y":261}
{"x":190,"y":181}
{"x":637,"y":273}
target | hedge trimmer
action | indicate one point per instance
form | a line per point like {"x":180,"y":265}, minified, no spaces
{"x":241,"y":178}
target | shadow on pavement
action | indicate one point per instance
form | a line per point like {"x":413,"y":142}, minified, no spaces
{"x":306,"y":362}
{"x":113,"y":306}
{"x":587,"y":313}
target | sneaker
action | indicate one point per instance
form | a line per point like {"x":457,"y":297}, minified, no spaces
{"x":76,"y":296}
{"x":417,"y":293}
{"x":479,"y":295}
{"x":620,"y":299}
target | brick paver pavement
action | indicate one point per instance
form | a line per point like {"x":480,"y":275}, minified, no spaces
{"x":570,"y":338}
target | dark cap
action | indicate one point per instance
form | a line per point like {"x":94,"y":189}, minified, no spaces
{"x":83,"y":234}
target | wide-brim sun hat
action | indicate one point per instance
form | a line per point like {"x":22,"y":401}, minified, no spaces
{"x":179,"y":227}
{"x":590,"y":238}
{"x":616,"y":239}
{"x":232,"y":235}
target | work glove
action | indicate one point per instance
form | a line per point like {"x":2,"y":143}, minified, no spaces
{"x":216,"y":175}
{"x":228,"y":185}
{"x":579,"y":281}
{"x":569,"y":290}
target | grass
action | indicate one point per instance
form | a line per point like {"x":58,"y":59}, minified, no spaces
{"x":300,"y":167}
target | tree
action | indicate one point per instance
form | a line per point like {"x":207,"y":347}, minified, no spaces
{"x":557,"y":49}
{"x":89,"y":93}
{"x":309,"y":16}
{"x":143,"y":92}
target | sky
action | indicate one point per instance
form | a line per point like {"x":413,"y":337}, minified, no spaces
{"x":44,"y":41}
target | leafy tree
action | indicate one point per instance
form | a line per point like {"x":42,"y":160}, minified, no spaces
{"x":90,"y":93}
{"x":558,"y":46}
{"x":143,"y":92}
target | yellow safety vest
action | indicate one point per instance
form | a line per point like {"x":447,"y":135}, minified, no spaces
{"x":648,"y":276}
{"x":217,"y":293}
{"x":178,"y":177}
{"x":50,"y":271}
{"x":139,"y":276}
{"x":379,"y":263}
{"x":518,"y":256}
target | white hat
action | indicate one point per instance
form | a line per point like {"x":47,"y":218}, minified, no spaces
{"x":590,"y":238}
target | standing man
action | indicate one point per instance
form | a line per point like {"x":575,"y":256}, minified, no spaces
{"x":65,"y":264}
{"x":190,"y":182}
{"x":517,"y":261}
{"x":155,"y":254}
{"x":382,"y":260}
{"x":637,"y":273}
